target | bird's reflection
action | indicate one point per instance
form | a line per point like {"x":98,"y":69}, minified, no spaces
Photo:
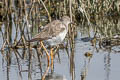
{"x":55,"y":76}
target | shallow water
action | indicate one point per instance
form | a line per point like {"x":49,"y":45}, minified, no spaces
{"x":27,"y":17}
{"x":103,"y":65}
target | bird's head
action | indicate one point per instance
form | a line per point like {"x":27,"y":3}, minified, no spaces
{"x":66,"y":20}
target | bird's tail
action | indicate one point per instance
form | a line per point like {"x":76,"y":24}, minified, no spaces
{"x":38,"y":39}
{"x":33,"y":40}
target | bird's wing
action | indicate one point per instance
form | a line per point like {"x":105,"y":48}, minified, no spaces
{"x":50,"y":30}
{"x":56,"y":27}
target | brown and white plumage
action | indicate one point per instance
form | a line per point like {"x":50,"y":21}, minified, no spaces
{"x":54,"y":32}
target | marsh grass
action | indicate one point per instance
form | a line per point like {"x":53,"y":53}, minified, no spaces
{"x":22,"y":19}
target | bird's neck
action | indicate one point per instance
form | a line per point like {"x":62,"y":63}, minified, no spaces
{"x":66,"y":25}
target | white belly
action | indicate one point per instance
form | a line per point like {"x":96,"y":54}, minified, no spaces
{"x":58,"y":39}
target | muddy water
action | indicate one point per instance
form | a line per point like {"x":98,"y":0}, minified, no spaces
{"x":103,"y":65}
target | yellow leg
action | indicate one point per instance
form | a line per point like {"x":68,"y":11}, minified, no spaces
{"x":51,"y":54}
{"x":47,"y":70}
{"x":48,"y":57}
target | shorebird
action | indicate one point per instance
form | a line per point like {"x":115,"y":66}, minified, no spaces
{"x":53,"y":34}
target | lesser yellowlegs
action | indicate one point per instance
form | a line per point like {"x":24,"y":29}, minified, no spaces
{"x":52,"y":34}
